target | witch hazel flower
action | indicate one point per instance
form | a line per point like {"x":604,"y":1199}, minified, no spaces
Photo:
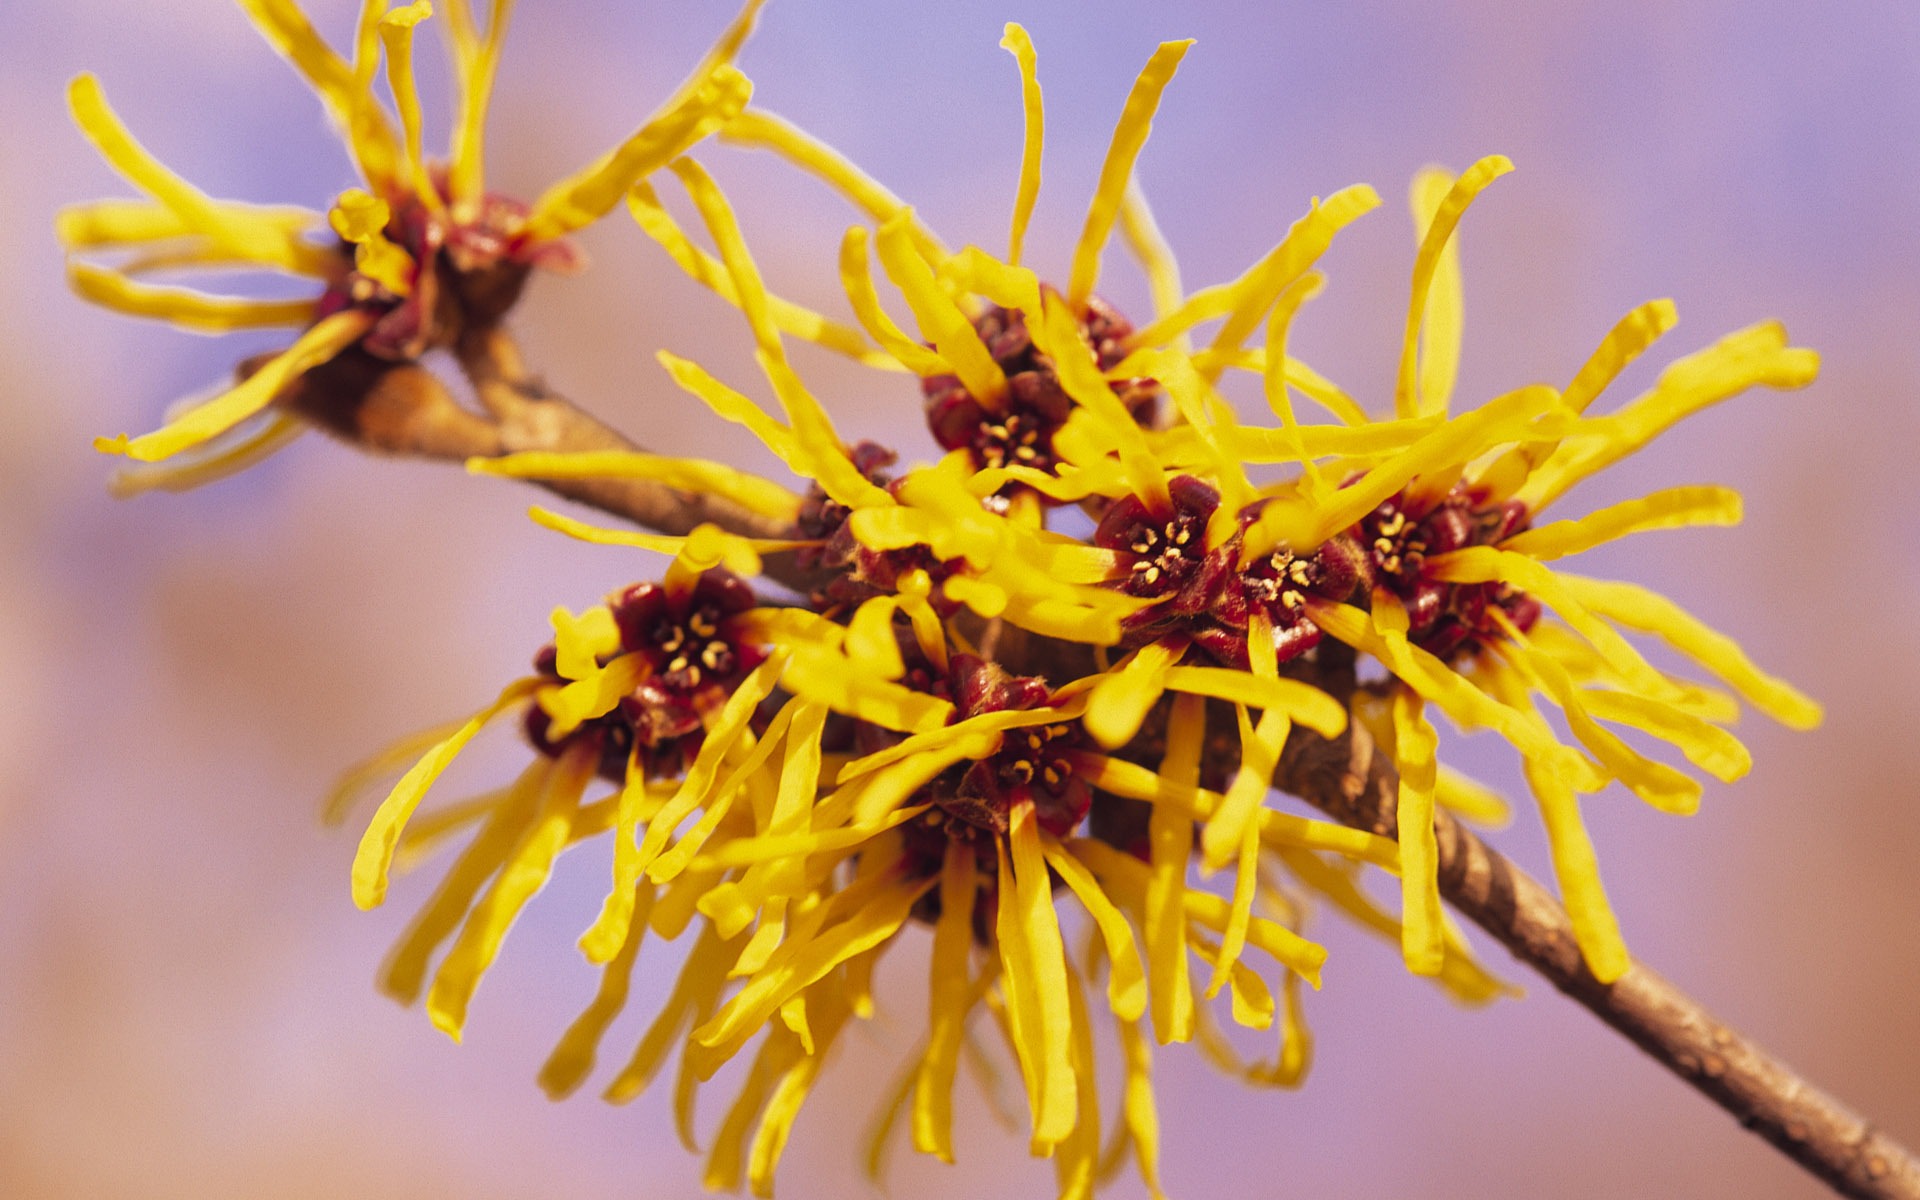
{"x":419,"y":254}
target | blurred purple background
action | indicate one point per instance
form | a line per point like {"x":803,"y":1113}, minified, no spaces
{"x":186,"y":1005}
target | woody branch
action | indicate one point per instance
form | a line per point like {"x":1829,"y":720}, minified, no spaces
{"x":404,"y":409}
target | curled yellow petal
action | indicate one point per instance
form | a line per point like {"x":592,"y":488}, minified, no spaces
{"x":652,"y":217}
{"x":255,"y":235}
{"x":572,"y":1059}
{"x":1120,"y":699}
{"x":707,"y":545}
{"x":405,"y":969}
{"x":1170,"y":836}
{"x":1670,"y":508}
{"x":476,"y":61}
{"x":115,"y":223}
{"x":1246,"y":300}
{"x":1129,"y":135}
{"x":523,"y":875}
{"x":1237,"y":816}
{"x":1437,"y":258}
{"x":759,"y":128}
{"x":1578,"y":871}
{"x":1142,"y":235}
{"x":580,"y":642}
{"x":229,"y":408}
{"x":347,"y":93}
{"x":1126,"y":979}
{"x":375,"y":854}
{"x":748,"y":1011}
{"x":1015,"y":41}
{"x":591,"y":193}
{"x":1037,"y":963}
{"x":1646,"y":610}
{"x":1448,"y":446}
{"x":948,"y":1002}
{"x":1137,"y":1105}
{"x":1442,"y":315}
{"x":1415,"y":743}
{"x":213,"y":460}
{"x":953,"y":336}
{"x":1304,"y":703}
{"x":760,"y":496}
{"x":1626,"y":341}
{"x":1753,"y":357}
{"x":361,"y":218}
{"x":181,"y":306}
{"x":396,"y":33}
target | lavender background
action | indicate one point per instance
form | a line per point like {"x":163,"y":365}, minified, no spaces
{"x":185,"y":997}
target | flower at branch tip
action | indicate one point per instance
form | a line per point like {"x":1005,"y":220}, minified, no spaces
{"x":407,"y":262}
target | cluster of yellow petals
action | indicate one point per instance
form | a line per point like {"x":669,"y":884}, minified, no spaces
{"x":791,"y":864}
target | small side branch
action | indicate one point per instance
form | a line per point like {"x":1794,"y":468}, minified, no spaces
{"x":405,"y":409}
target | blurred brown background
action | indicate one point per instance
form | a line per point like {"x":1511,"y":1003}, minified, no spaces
{"x":185,"y":997}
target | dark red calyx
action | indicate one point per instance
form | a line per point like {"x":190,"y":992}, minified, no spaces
{"x":824,"y":519}
{"x":1447,"y":619}
{"x":611,"y":733}
{"x":1275,"y":587}
{"x":863,"y":572}
{"x":1166,"y":553}
{"x":468,"y":272}
{"x":1033,"y":763}
{"x":692,"y":639}
{"x":1019,"y":430}
{"x":692,"y":644}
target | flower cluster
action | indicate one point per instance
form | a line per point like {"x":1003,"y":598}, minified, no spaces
{"x":968,"y":716}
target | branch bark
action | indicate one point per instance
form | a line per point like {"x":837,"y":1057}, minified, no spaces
{"x":1344,"y":778}
{"x":404,"y":409}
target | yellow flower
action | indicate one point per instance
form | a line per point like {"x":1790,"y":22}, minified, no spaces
{"x":977,"y":705}
{"x":1423,"y":521}
{"x":1453,"y":586}
{"x":963,"y":793}
{"x":422,"y":250}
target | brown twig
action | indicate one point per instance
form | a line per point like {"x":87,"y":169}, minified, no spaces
{"x":1345,"y":779}
{"x":404,"y":409}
